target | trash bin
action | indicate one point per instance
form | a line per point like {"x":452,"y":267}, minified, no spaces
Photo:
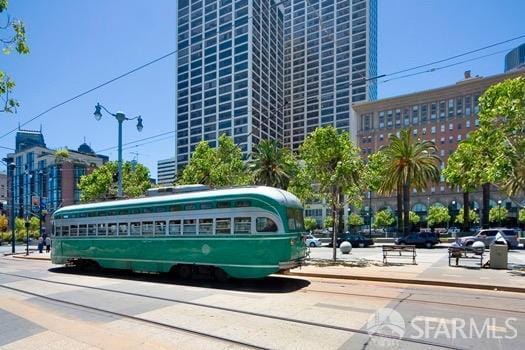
{"x":499,"y":256}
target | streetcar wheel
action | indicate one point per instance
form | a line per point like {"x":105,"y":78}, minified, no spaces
{"x":184,"y":271}
{"x":220,"y":275}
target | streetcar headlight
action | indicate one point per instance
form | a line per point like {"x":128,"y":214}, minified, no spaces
{"x":292,"y":242}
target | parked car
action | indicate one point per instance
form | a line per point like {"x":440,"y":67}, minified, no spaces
{"x":453,"y":230}
{"x":488,"y":236}
{"x":425,"y":239}
{"x":312,"y":241}
{"x":355,"y":239}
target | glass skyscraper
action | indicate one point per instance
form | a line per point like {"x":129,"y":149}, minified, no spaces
{"x":330,"y":50}
{"x":230,"y":66}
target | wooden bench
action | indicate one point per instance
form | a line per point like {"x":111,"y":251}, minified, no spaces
{"x":399,"y":251}
{"x":463,"y":253}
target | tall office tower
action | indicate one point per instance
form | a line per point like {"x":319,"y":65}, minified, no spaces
{"x":229,"y":73}
{"x":330,"y":55}
{"x":166,"y":171}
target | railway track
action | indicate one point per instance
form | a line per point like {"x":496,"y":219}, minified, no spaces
{"x":213,"y":307}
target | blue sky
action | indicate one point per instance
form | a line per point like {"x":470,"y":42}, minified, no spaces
{"x":75,"y":45}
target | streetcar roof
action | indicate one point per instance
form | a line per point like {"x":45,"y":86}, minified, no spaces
{"x":282,"y":197}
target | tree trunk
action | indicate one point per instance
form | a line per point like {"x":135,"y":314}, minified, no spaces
{"x":406,"y":209}
{"x":340,"y":212}
{"x":335,"y":197}
{"x":399,"y":198}
{"x":466,"y":212}
{"x":486,"y":205}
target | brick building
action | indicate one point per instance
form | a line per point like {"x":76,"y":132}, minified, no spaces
{"x":445,"y":115}
{"x":39,"y":173}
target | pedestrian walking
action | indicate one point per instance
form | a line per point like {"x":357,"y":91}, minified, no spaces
{"x":48,"y":244}
{"x":40,"y":244}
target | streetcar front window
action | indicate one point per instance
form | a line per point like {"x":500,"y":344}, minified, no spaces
{"x":295,"y":219}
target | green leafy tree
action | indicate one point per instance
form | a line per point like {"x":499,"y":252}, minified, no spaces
{"x":413,"y":218}
{"x":333,"y":164}
{"x":383,"y":219}
{"x":328,"y":222}
{"x":521,"y":216}
{"x":12,"y":37}
{"x":20,"y":227}
{"x":102,"y":182}
{"x":502,"y":117}
{"x":34,"y":226}
{"x":310,"y":223}
{"x":412,"y":163}
{"x":3,"y":222}
{"x":355,"y":220}
{"x":272,"y":165}
{"x":215,"y":167}
{"x":498,"y":215}
{"x":459,"y":173}
{"x":473,"y":217}
{"x":437,"y":215}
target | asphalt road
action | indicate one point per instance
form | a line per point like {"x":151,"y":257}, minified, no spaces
{"x":51,"y":307}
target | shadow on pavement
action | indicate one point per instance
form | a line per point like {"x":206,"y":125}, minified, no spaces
{"x":270,"y":284}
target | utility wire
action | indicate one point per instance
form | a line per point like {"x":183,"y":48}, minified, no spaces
{"x":457,"y":56}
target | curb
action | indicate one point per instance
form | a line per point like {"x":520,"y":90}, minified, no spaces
{"x":410,"y":281}
{"x":28,"y":257}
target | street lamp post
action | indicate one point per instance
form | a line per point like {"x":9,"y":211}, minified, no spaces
{"x":499,"y":212}
{"x":120,"y":117}
{"x":27,"y":237}
{"x":12,"y":167}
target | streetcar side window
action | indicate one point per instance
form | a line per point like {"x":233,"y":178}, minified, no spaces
{"x":73,"y":230}
{"x":264,"y":224}
{"x":147,"y":228}
{"x":101,"y":230}
{"x":190,"y":227}
{"x":65,"y":231}
{"x":82,"y":230}
{"x":160,"y":228}
{"x":134,"y":228}
{"x":123,"y":229}
{"x":206,"y":226}
{"x":174,"y":228}
{"x":223,"y":226}
{"x":112,"y":229}
{"x":57,"y":230}
{"x":242,"y":225}
{"x":92,"y":230}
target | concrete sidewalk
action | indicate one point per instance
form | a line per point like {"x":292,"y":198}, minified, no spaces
{"x":431,"y":269}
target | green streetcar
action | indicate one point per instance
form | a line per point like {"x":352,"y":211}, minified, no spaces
{"x":242,"y":232}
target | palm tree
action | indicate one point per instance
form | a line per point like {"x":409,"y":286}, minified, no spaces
{"x":272,"y":165}
{"x":412,"y":163}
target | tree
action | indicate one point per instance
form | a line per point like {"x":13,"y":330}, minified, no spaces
{"x":328,"y":222}
{"x":12,"y":37}
{"x":437,"y":215}
{"x":521,"y":216}
{"x":310,"y":223}
{"x":473,"y":217}
{"x":498,"y":214}
{"x":20,"y":226}
{"x":333,"y":164}
{"x":355,"y":220}
{"x":383,"y":218}
{"x":102,"y":182}
{"x":502,"y":116}
{"x":34,"y":226}
{"x":272,"y":165}
{"x":413,"y":218}
{"x":3,"y":222}
{"x":459,"y":172}
{"x":215,"y":167}
{"x":411,"y":164}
